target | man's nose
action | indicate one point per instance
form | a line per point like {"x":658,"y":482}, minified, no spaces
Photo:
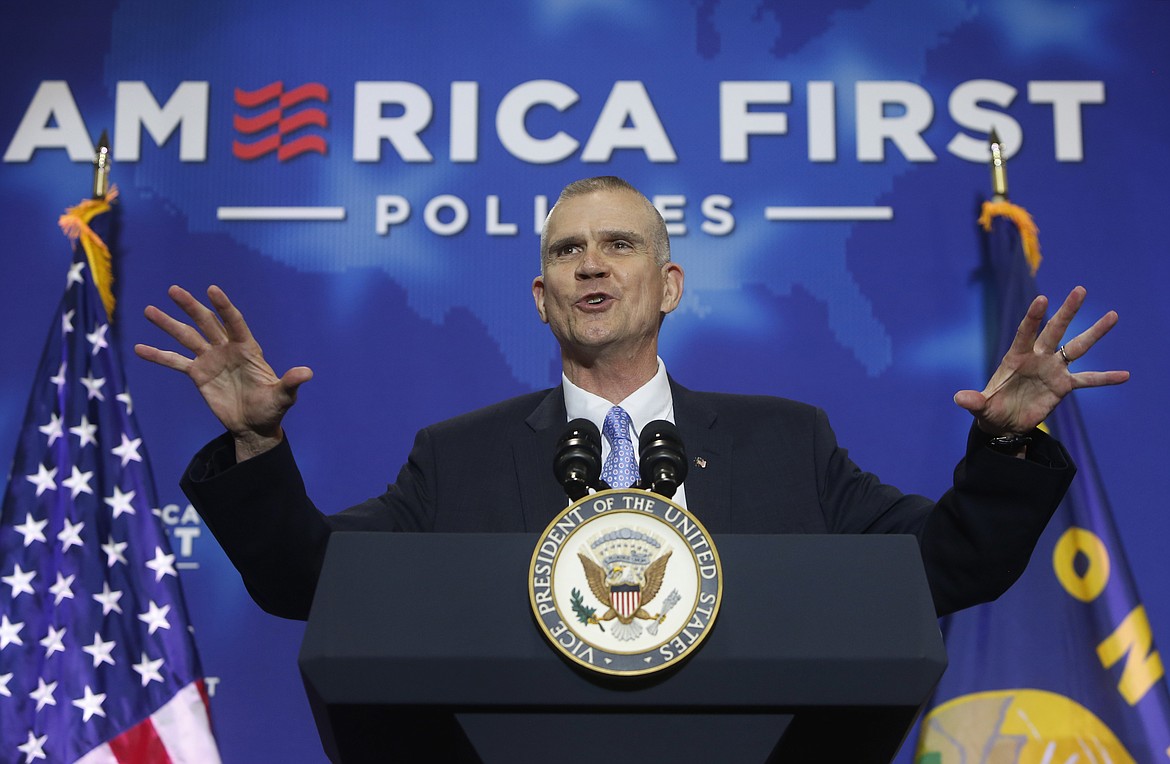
{"x":592,"y":264}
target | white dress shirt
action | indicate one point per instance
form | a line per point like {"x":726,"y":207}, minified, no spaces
{"x":649,"y":402}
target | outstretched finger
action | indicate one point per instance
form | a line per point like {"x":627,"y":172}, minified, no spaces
{"x":1099,"y":378}
{"x":166,"y":358}
{"x":184,"y":334}
{"x":233,"y":320}
{"x":1056,"y":327}
{"x":1079,"y":345}
{"x":207,"y":321}
{"x":1029,"y":326}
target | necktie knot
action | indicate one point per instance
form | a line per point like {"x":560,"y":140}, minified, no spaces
{"x":621,"y":468}
{"x":617,"y":425}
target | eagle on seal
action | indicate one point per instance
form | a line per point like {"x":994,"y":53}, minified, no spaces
{"x":624,"y":592}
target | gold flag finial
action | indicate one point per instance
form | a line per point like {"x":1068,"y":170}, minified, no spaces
{"x":999,"y":187}
{"x":101,"y":167}
{"x":999,"y":206}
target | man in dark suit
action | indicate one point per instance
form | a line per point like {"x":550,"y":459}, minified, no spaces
{"x":761,"y":464}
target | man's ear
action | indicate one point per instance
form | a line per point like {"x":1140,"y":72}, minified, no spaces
{"x":672,"y":288}
{"x":538,"y":297}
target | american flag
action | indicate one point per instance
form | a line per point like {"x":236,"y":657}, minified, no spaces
{"x":97,"y":659}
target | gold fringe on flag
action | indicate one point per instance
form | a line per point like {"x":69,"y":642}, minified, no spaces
{"x":75,"y":224}
{"x":1029,"y":233}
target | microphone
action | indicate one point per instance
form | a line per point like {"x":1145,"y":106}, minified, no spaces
{"x":577,"y":464}
{"x":662,"y":459}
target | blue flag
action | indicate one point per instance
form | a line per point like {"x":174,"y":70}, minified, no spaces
{"x":1062,"y":668}
{"x":97,"y":661}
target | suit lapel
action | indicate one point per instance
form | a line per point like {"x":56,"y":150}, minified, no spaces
{"x":533,"y":446}
{"x":708,"y":487}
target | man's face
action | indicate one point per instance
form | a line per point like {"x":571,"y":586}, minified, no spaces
{"x":600,"y":291}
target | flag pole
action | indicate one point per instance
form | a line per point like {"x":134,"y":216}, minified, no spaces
{"x":999,"y":187}
{"x":999,"y":205}
{"x":75,"y":223}
{"x":101,"y":167}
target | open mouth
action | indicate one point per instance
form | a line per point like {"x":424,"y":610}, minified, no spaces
{"x":594,"y":300}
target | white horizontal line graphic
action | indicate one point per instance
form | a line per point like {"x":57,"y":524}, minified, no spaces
{"x":280,"y":213}
{"x":829,"y":213}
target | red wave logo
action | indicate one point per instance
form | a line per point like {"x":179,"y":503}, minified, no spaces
{"x":275,"y":117}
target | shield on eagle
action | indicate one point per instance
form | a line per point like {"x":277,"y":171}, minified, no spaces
{"x":626,"y":599}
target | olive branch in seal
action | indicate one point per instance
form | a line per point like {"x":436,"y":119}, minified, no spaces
{"x":585,"y":615}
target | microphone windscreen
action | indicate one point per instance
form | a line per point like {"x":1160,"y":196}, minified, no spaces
{"x":577,"y":461}
{"x":659,"y":432}
{"x":581,"y":428}
{"x":660,"y":447}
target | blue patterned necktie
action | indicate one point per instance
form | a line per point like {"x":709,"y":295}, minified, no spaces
{"x":621,"y":468}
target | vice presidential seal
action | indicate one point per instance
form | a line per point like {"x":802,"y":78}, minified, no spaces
{"x":625,"y":582}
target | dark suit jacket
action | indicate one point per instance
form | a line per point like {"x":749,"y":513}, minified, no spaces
{"x":772,"y":466}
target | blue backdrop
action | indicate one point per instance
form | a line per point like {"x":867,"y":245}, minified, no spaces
{"x":431,"y":137}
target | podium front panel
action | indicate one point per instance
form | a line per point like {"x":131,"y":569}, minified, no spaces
{"x":444,"y":620}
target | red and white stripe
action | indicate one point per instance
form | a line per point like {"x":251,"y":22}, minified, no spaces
{"x":626,"y":602}
{"x":177,"y":733}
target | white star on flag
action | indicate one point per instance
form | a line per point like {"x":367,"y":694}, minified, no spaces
{"x":62,"y":589}
{"x":93,"y":387}
{"x":163,"y":564}
{"x":10,"y":632}
{"x":100,"y":650}
{"x":74,"y":276}
{"x":67,"y":321}
{"x":32,"y":530}
{"x":53,"y":641}
{"x":70,"y":535}
{"x":120,"y":502}
{"x":148,"y":669}
{"x":128,"y":450}
{"x":4,"y":680}
{"x":20,"y":581}
{"x":86,"y":432}
{"x":125,"y":398}
{"x":113,"y":550}
{"x":97,"y":338}
{"x":108,"y":599}
{"x":59,"y":380}
{"x":44,"y":480}
{"x":156,"y":617}
{"x":91,"y":704}
{"x":54,"y":429}
{"x":32,"y":750}
{"x":78,"y":482}
{"x":43,"y":694}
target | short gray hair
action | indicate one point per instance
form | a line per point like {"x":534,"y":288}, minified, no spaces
{"x":659,"y":239}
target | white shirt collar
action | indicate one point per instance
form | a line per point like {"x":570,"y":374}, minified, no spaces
{"x":649,"y":402}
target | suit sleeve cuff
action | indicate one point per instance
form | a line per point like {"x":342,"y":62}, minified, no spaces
{"x":1043,"y":450}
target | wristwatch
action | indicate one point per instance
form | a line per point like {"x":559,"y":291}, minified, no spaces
{"x":1011,"y":443}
